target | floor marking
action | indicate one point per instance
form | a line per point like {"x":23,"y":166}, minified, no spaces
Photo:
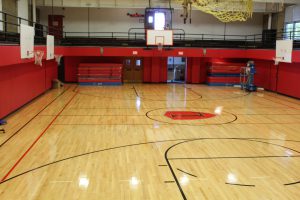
{"x":186,"y":172}
{"x":234,"y":157}
{"x":237,"y":184}
{"x":169,"y":181}
{"x":137,"y":144}
{"x":294,"y":183}
{"x":36,"y":140}
{"x":38,"y":114}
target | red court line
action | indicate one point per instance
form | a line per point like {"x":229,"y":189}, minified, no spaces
{"x":36,"y":140}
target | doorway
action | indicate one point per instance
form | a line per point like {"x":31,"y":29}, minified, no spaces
{"x":133,"y":70}
{"x":176,"y":69}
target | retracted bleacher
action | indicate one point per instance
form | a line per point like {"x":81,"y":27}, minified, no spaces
{"x":224,"y":73}
{"x":100,"y":74}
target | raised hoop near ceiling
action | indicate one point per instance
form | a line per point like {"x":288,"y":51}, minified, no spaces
{"x":224,"y":10}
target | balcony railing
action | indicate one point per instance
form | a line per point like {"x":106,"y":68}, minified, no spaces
{"x":10,"y":26}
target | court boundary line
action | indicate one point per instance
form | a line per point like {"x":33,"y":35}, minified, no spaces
{"x":137,"y":144}
{"x":36,"y":140}
{"x":200,"y":139}
{"x":30,"y":120}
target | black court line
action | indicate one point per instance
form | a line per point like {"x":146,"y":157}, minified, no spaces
{"x":186,"y":173}
{"x":288,"y":97}
{"x":192,"y":140}
{"x":98,"y":115}
{"x":225,"y":98}
{"x":270,"y":114}
{"x":22,"y":127}
{"x":281,"y":103}
{"x":134,"y":99}
{"x":166,"y":124}
{"x":294,"y":183}
{"x":237,"y":184}
{"x":169,"y":181}
{"x":138,"y":144}
{"x":134,"y":108}
{"x":233,"y":157}
{"x":162,"y":165}
{"x":136,"y":93}
{"x":175,"y":115}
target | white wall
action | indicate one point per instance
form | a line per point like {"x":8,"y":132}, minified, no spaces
{"x":1,"y":24}
{"x":23,"y":10}
{"x":116,"y":20}
{"x":292,"y":13}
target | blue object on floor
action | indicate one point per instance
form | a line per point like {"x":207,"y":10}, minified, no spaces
{"x":3,"y":122}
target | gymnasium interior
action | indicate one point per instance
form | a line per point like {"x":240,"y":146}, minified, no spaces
{"x":150,"y":99}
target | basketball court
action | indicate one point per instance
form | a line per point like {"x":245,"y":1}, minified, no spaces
{"x":87,"y":117}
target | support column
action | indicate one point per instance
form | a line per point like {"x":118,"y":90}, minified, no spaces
{"x":1,"y":23}
{"x":23,"y":10}
{"x":270,"y":21}
{"x":34,"y":11}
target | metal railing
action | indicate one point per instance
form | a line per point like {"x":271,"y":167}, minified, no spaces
{"x":137,"y":37}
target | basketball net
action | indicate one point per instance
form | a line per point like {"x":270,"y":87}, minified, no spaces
{"x":160,"y":46}
{"x":224,"y":10}
{"x":58,"y":58}
{"x":38,"y":57}
{"x":277,"y":60}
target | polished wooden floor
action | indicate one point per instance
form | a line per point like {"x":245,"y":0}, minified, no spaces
{"x":115,"y":143}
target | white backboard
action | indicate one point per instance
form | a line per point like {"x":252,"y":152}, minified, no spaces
{"x":26,"y":41}
{"x":284,"y":50}
{"x":156,"y":37}
{"x":50,"y":47}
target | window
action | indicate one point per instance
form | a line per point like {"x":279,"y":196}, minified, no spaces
{"x":289,"y":28}
{"x":297,"y":31}
{"x":159,"y":21}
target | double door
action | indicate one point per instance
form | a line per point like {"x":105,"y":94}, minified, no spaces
{"x":133,"y":70}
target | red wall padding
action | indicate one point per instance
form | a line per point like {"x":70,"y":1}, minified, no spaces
{"x":196,"y":70}
{"x":289,"y":79}
{"x":20,"y":83}
{"x":265,"y":76}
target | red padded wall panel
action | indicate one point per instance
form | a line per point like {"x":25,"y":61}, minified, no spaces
{"x":20,"y":83}
{"x":289,"y":79}
{"x":163,"y":70}
{"x":155,"y":70}
{"x":147,"y":69}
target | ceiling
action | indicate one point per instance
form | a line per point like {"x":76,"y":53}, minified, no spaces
{"x":259,"y":5}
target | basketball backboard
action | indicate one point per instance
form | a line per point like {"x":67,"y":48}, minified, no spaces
{"x":26,"y":41}
{"x":50,"y":47}
{"x":160,"y":37}
{"x":284,"y":49}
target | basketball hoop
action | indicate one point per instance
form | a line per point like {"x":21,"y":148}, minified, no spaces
{"x":58,"y":58}
{"x":38,"y":56}
{"x":160,"y":46}
{"x":277,"y":60}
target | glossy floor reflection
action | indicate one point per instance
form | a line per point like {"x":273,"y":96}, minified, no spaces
{"x":117,"y":143}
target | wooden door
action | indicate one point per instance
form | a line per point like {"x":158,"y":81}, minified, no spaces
{"x":133,"y":70}
{"x":55,"y":23}
{"x":138,"y":70}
